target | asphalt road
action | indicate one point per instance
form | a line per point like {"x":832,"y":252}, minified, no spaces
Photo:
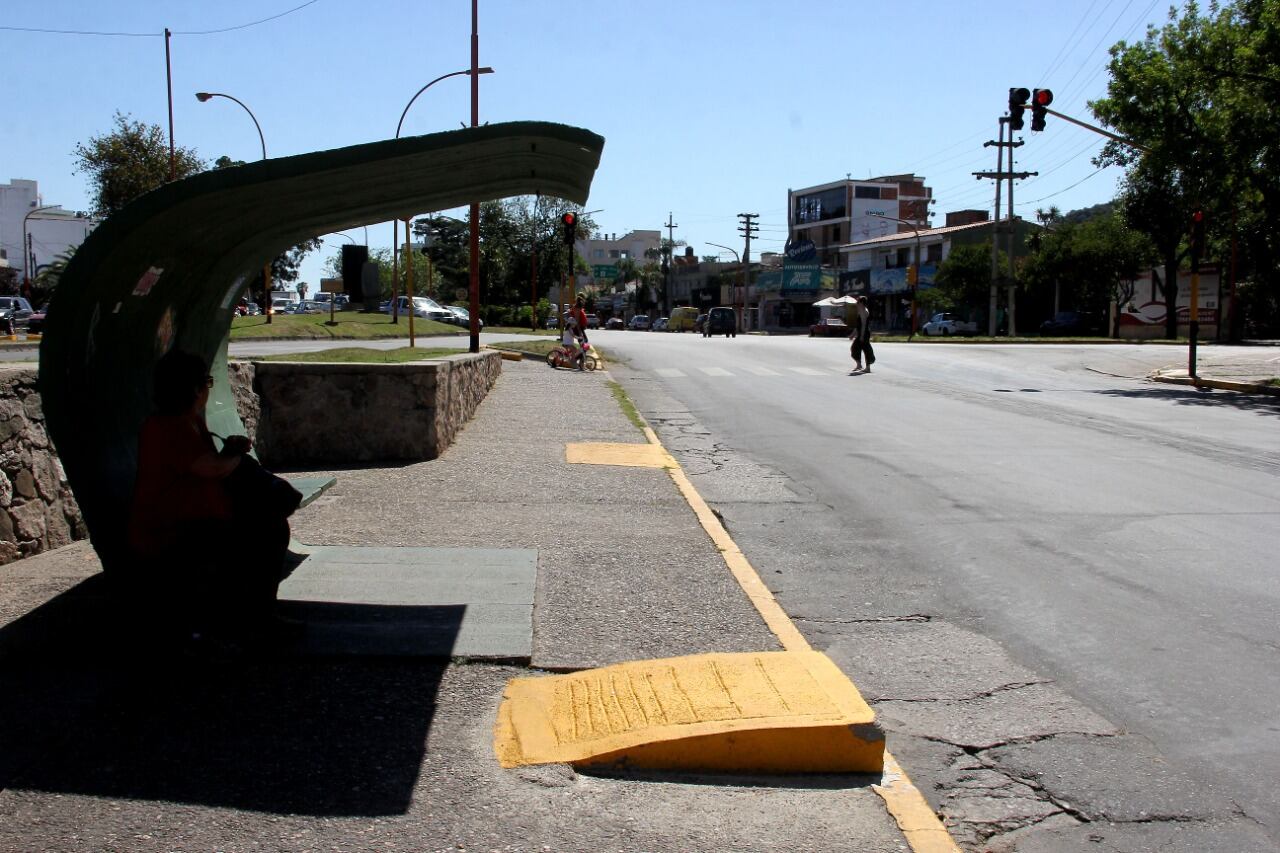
{"x":1113,"y":535}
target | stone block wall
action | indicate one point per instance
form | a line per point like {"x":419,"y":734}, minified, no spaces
{"x":37,"y":510}
{"x":298,"y":414}
{"x":316,"y":413}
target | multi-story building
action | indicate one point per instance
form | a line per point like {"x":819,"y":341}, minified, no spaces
{"x":842,"y":212}
{"x":603,"y":252}
{"x":33,"y":234}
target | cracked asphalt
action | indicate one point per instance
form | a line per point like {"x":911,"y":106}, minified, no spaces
{"x":888,"y":520}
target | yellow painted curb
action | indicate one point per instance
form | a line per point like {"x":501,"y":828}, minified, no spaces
{"x":605,"y":453}
{"x":766,"y":712}
{"x":924,"y":832}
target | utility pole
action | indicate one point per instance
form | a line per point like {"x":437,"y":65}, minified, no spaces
{"x":999,"y":175}
{"x":747,"y":229}
{"x":671,"y":253}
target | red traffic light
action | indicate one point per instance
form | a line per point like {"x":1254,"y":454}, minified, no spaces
{"x":1197,"y":216}
{"x":569,"y":219}
{"x":1043,"y":97}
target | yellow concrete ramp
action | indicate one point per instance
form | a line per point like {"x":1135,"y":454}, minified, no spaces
{"x":607,"y":453}
{"x":765,"y":712}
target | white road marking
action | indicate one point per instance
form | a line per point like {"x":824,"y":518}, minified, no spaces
{"x":808,"y":371}
{"x":763,"y":371}
{"x":715,"y":371}
{"x":670,"y":373}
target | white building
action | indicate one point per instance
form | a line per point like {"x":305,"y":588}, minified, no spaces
{"x":841,"y":212}
{"x":603,"y":252}
{"x":48,"y":229}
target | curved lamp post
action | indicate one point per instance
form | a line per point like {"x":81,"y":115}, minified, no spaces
{"x":395,"y":223}
{"x":737,"y":320}
{"x":202,"y":97}
{"x":26,"y":254}
{"x":915,"y":267}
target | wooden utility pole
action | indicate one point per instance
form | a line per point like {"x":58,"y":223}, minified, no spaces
{"x":997,"y":228}
{"x":671,"y":260}
{"x":747,"y":229}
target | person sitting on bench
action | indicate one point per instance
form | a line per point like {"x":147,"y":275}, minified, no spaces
{"x":201,"y":554}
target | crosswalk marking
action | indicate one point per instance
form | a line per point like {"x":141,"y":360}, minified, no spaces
{"x":715,"y":371}
{"x":803,"y":370}
{"x":809,"y":371}
{"x":670,"y":373}
{"x":763,"y":371}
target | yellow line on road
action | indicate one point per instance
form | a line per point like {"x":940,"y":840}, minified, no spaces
{"x":923,"y":831}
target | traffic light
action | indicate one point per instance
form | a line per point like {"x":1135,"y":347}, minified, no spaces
{"x":1017,"y":106}
{"x":912,"y":275}
{"x":1197,"y":237}
{"x":569,"y":221}
{"x":1040,"y":99}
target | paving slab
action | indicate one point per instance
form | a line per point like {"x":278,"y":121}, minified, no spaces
{"x":430,"y":602}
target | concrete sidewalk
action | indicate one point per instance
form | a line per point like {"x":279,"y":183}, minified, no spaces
{"x":106,"y":745}
{"x":1242,"y":371}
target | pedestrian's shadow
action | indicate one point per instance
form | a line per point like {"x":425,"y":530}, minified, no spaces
{"x":1260,"y":404}
{"x":90,"y":707}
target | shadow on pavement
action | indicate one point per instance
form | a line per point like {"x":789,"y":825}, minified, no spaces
{"x":90,"y":707}
{"x":1261,"y":404}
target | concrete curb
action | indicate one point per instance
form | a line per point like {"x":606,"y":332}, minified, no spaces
{"x":1219,"y":384}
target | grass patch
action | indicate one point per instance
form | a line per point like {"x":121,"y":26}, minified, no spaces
{"x":536,"y":347}
{"x":521,"y":330}
{"x":352,"y":325}
{"x":1275,"y":383}
{"x":628,"y":408}
{"x":367,"y":355}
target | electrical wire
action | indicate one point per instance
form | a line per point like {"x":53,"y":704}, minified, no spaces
{"x":158,"y":35}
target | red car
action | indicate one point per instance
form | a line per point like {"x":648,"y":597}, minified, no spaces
{"x":832,"y":327}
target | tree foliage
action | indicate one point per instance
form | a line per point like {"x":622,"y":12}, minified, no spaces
{"x":1202,"y":95}
{"x":962,"y":282}
{"x":131,"y":160}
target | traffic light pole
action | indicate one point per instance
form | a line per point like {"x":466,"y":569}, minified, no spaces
{"x":999,"y":175}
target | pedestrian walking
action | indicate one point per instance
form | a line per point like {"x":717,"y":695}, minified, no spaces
{"x":864,"y":334}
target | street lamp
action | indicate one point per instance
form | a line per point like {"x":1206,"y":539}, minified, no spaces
{"x":915,"y":267}
{"x":26,"y":253}
{"x":395,"y":223}
{"x":738,"y":258}
{"x":204,"y":97}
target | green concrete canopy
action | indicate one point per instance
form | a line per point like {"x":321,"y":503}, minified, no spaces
{"x":168,"y":270}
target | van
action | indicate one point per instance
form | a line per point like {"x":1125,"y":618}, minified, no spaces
{"x":721,"y":321}
{"x":682,"y":320}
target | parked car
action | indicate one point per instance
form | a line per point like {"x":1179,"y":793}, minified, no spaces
{"x":831,"y":327}
{"x":614,"y":323}
{"x":35,"y":323}
{"x":552,"y":322}
{"x":16,"y":310}
{"x":593,"y":322}
{"x":423,"y":306}
{"x":721,"y":321}
{"x":683,"y":320}
{"x":461,"y":316}
{"x":700,"y":323}
{"x":639,"y":323}
{"x":1072,"y":323}
{"x":660,"y":324}
{"x":947,"y":323}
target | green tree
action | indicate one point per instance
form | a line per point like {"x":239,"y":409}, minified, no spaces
{"x":131,"y":160}
{"x":1202,"y":96}
{"x":962,"y":282}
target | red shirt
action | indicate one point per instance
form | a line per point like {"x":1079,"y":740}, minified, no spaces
{"x":168,"y":492}
{"x":579,"y":317}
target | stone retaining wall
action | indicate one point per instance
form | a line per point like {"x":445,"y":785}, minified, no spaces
{"x":316,"y":413}
{"x":37,"y":510}
{"x":309,"y":414}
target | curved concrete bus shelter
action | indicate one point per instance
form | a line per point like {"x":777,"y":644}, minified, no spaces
{"x":168,"y":270}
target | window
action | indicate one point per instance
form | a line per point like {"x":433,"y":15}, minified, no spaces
{"x":828,"y":204}
{"x":934,"y":253}
{"x":597,"y":253}
{"x":613,"y":253}
{"x":835,"y":233}
{"x":866,"y":192}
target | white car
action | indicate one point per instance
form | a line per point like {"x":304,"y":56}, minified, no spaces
{"x":639,"y":323}
{"x":947,"y":324}
{"x":423,"y":306}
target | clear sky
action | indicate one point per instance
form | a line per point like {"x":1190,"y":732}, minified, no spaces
{"x":709,"y":108}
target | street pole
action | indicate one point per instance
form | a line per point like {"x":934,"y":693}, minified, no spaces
{"x":915,"y":267}
{"x":168,"y":79}
{"x":746,"y":229}
{"x":475,"y":206}
{"x":408,"y":270}
{"x":995,"y":235}
{"x":533,"y":267}
{"x":1013,"y":230}
{"x":671,"y":262}
{"x":205,"y":97}
{"x":996,"y":228}
{"x":737,"y":325}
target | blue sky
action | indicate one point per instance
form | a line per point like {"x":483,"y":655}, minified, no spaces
{"x":708,"y":108}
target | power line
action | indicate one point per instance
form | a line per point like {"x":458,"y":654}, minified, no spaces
{"x":159,"y":34}
{"x":1064,"y":189}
